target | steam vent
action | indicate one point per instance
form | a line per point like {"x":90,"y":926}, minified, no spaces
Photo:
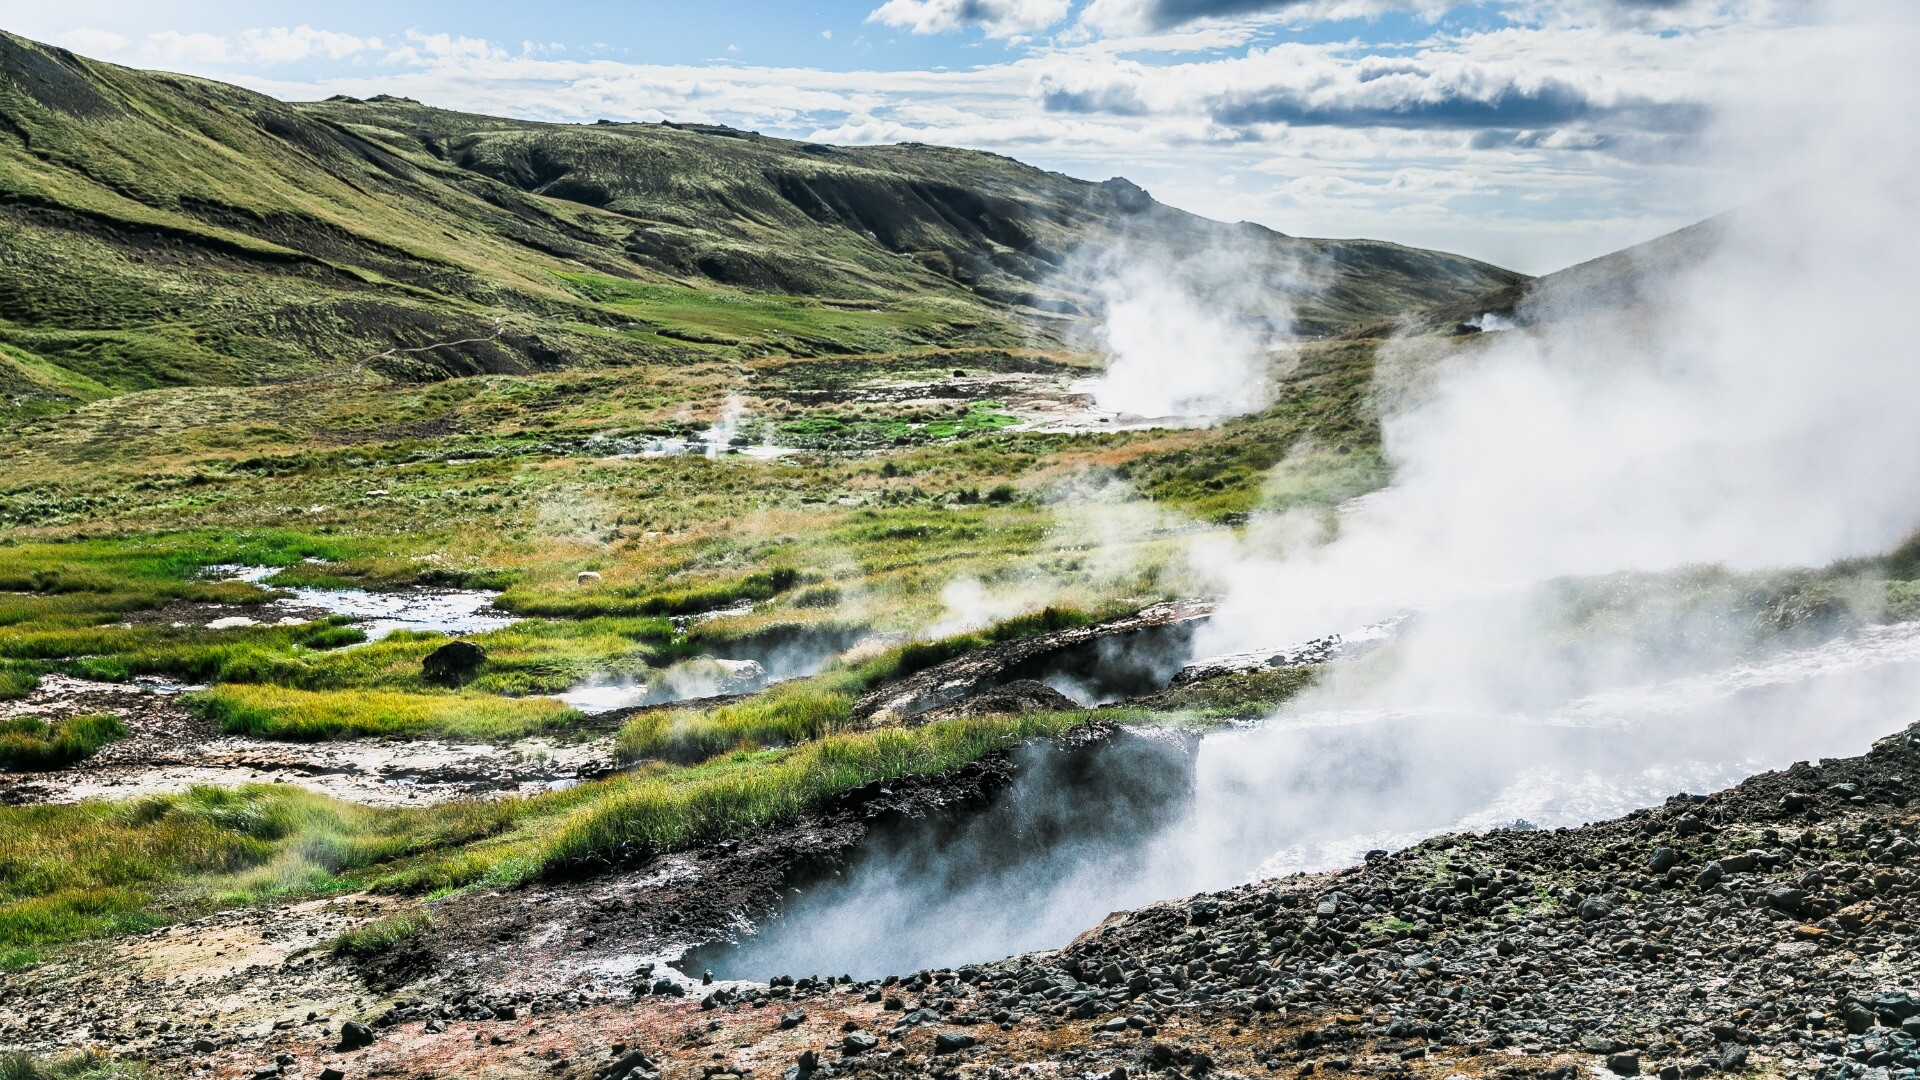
{"x":960,"y":539}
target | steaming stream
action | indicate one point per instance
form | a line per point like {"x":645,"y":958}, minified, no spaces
{"x":1149,"y":816}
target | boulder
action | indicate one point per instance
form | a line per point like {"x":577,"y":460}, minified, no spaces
{"x":453,"y":664}
{"x":952,"y":1042}
{"x":354,"y":1035}
{"x":858,"y":1043}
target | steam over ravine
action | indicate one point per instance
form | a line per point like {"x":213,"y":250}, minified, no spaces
{"x":1757,"y":412}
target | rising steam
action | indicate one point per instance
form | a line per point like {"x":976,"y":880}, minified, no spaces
{"x":1188,"y":336}
{"x":1558,"y":487}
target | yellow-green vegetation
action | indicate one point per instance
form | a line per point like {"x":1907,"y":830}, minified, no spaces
{"x":74,"y":871}
{"x":17,"y":679}
{"x":29,"y":744}
{"x":752,"y":789}
{"x":1241,"y":696}
{"x":275,"y":712}
{"x":381,"y":935}
{"x":85,"y":1065}
{"x":782,"y":716}
{"x":795,"y":712}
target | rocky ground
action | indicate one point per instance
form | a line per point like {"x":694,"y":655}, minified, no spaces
{"x":1769,"y":929}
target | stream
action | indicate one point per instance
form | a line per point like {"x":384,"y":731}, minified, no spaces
{"x":1149,"y":816}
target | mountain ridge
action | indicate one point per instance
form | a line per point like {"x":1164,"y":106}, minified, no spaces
{"x":160,"y":229}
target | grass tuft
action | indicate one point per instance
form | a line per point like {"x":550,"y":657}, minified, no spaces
{"x":29,"y":744}
{"x":86,"y":1065}
{"x":275,"y":712}
{"x":380,"y":936}
{"x":750,"y":790}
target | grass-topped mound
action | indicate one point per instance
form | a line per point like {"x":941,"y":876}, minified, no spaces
{"x":276,"y":712}
{"x":95,"y":868}
{"x":30,"y":744}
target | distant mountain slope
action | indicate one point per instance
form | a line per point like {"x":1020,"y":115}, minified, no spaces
{"x":1633,"y":277}
{"x":157,"y":229}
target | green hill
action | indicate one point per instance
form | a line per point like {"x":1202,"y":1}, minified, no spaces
{"x":160,"y":230}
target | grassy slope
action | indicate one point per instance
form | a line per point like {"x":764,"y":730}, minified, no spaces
{"x":158,"y":230}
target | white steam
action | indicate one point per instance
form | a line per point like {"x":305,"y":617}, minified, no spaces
{"x":1186,"y":336}
{"x":1756,"y":412}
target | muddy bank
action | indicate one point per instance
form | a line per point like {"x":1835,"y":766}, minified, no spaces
{"x":233,"y":988}
{"x":170,"y":748}
{"x":1092,"y":665}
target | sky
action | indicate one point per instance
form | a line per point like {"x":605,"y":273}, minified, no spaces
{"x":1531,"y":133}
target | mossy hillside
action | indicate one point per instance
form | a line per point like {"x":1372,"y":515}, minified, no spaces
{"x":165,"y":230}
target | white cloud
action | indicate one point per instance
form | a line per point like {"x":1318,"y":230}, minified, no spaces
{"x":174,"y":47}
{"x":89,"y":41}
{"x":996,"y":18}
{"x":280,"y":44}
{"x":264,"y":46}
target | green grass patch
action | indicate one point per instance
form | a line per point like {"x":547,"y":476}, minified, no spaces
{"x":18,"y":680}
{"x":630,"y":600}
{"x":276,"y":712}
{"x":96,"y":868}
{"x":29,"y":744}
{"x":1242,"y":696}
{"x":750,"y":790}
{"x":85,"y":1065}
{"x":378,"y":937}
{"x":785,"y":715}
{"x":90,"y":869}
{"x":804,"y":709}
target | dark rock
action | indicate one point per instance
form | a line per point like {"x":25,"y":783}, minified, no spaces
{"x":1593,"y":907}
{"x":1709,"y":877}
{"x":1899,"y":1004}
{"x":1733,"y":1059}
{"x":1623,"y":1064}
{"x":331,"y":1073}
{"x":354,"y":1035}
{"x":1787,"y":898}
{"x":627,"y":1064}
{"x":792,"y":1020}
{"x":952,"y":1042}
{"x":858,"y":1043}
{"x":1662,"y":860}
{"x":453,"y":664}
{"x":265,"y":1072}
{"x":1795,"y":801}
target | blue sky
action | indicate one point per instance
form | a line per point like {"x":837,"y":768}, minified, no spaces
{"x":1533,"y":133}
